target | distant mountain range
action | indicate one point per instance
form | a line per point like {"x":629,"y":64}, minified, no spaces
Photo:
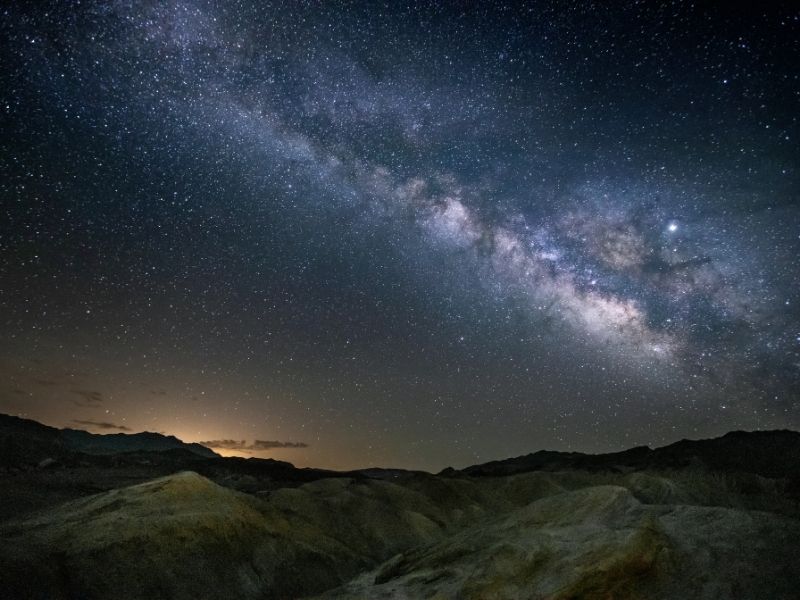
{"x":766,"y":453}
{"x":27,"y":436}
{"x":112,"y":443}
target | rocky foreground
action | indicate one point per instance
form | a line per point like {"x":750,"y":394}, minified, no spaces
{"x":555,"y":532}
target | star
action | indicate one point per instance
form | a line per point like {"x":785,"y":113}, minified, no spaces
{"x":265,"y":203}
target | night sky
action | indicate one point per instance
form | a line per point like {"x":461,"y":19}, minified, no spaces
{"x":415,"y":235}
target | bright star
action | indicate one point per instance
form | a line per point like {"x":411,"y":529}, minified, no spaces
{"x":672,"y":227}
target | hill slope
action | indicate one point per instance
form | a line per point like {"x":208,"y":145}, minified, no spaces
{"x":598,"y":542}
{"x":532,"y":535}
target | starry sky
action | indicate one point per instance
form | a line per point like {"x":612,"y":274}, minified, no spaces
{"x":423,"y":234}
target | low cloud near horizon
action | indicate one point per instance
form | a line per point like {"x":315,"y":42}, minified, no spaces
{"x":101,"y":425}
{"x":257,"y":445}
{"x":89,"y":398}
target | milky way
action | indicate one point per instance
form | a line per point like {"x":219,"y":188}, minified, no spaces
{"x":416,"y":235}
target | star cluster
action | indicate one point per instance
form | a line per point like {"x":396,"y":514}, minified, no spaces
{"x":408,"y":234}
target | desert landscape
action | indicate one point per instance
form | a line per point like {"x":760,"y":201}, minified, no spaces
{"x":715,"y":518}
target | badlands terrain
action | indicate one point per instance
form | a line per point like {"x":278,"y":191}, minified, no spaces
{"x":147,"y":516}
